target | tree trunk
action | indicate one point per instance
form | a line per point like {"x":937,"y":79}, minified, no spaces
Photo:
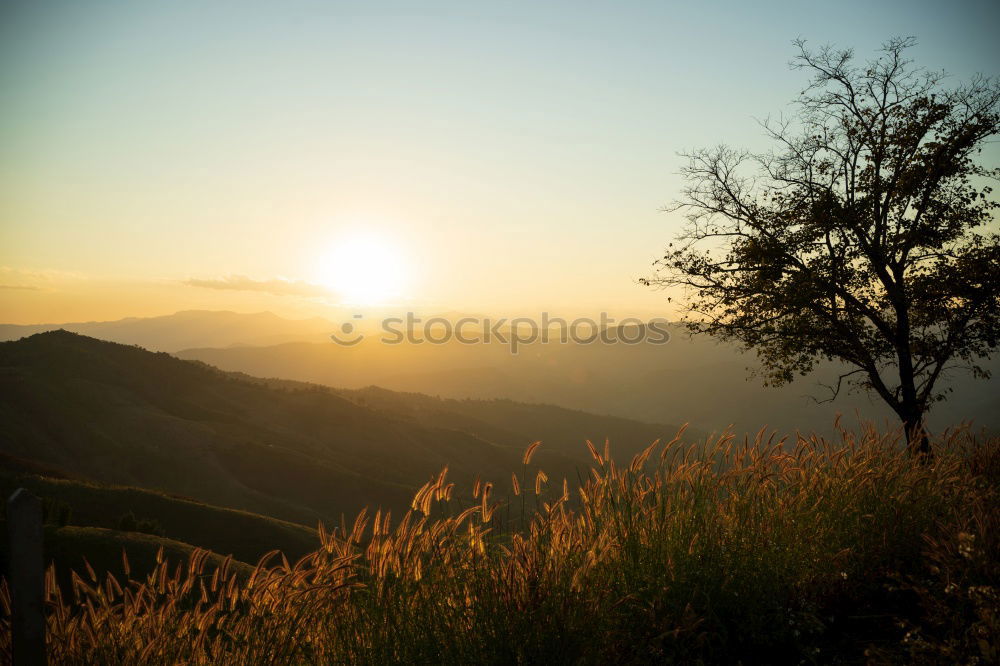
{"x":917,"y":441}
{"x":911,"y":410}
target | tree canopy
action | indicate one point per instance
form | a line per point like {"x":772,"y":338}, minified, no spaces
{"x":866,"y":235}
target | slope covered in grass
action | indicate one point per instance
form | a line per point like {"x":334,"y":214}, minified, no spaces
{"x":73,"y":548}
{"x":814,"y":552}
{"x":516,"y":424}
{"x":245,"y":536}
{"x":507,"y":423}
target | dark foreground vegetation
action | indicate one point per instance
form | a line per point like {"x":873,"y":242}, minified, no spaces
{"x":752,"y":552}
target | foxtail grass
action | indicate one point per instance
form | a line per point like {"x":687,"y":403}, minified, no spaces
{"x":753,"y":550}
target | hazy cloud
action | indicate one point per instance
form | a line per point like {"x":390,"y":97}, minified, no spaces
{"x":276,"y":286}
{"x":20,"y":279}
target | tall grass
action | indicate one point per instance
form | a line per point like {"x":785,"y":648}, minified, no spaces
{"x":759,"y":551}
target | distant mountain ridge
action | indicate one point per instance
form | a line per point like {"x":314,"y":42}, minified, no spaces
{"x":188,"y":328}
{"x":686,"y":380}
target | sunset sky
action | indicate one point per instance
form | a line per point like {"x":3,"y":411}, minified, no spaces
{"x":262,"y":155}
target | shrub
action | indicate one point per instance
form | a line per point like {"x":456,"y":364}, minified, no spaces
{"x":129,"y":523}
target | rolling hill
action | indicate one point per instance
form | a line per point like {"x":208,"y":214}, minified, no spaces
{"x":246,"y":536}
{"x":120,"y":415}
{"x":73,"y":548}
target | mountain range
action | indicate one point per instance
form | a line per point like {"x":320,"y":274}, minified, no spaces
{"x":692,"y":380}
{"x":190,"y":328}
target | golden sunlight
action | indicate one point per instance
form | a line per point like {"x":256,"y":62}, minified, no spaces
{"x":364,"y":269}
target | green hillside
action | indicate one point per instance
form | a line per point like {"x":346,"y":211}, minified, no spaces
{"x":245,"y":536}
{"x":122,"y":415}
{"x":508,"y":423}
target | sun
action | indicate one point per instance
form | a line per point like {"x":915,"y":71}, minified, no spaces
{"x":364,"y":269}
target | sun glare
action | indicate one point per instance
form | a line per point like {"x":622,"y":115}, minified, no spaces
{"x":364,"y":269}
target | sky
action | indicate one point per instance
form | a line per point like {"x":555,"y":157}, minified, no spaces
{"x":164,"y":156}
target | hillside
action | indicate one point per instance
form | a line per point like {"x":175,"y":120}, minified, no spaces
{"x":121,"y":415}
{"x":246,"y":536}
{"x":507,"y":423}
{"x":71,"y":548}
{"x":514,"y":423}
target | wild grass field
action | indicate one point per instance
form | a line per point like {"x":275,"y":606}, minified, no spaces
{"x":727,"y":551}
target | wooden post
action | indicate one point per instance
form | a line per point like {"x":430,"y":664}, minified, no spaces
{"x":27,"y":578}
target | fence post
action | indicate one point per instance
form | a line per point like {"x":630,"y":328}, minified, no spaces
{"x":27,"y":578}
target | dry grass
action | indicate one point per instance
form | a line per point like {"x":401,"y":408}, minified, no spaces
{"x":762,"y":551}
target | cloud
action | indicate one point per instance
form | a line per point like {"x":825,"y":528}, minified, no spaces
{"x":276,"y":286}
{"x":21,"y":279}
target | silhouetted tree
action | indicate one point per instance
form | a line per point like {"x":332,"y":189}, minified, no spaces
{"x":861,"y":237}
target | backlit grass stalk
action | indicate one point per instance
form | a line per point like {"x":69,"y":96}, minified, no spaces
{"x":691,"y":551}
